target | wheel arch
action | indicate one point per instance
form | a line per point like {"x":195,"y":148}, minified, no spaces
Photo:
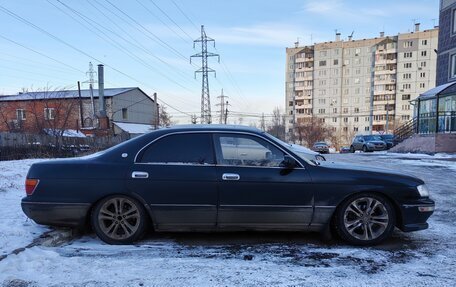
{"x":395,"y":205}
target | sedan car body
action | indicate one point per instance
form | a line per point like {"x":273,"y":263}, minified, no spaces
{"x":368,"y":143}
{"x":321,"y":147}
{"x":218,"y":178}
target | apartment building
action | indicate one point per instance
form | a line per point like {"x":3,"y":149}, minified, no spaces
{"x":359,"y":86}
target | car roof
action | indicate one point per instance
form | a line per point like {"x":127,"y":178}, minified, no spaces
{"x":212,"y":127}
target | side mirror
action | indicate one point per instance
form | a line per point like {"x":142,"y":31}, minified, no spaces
{"x":288,"y":162}
{"x":320,"y":157}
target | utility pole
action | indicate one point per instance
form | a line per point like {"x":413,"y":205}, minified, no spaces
{"x":262,"y":123}
{"x":226,"y":111}
{"x":205,"y":70}
{"x":81,"y":116}
{"x":156,"y":119}
{"x":222,"y":107}
{"x":91,"y":73}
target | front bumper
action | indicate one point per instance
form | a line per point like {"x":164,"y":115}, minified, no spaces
{"x":415,"y":214}
{"x":376,"y":147}
{"x":56,"y":213}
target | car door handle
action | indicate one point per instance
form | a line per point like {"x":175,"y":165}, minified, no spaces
{"x":230,"y":176}
{"x":139,"y":174}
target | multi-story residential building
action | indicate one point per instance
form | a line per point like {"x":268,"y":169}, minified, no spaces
{"x":355,"y":86}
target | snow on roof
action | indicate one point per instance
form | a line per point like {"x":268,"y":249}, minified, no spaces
{"x":63,"y":94}
{"x":133,"y":128}
{"x":66,"y":133}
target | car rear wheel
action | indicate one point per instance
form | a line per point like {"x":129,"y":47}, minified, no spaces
{"x":119,"y":220}
{"x":365,"y":148}
{"x":365,"y":219}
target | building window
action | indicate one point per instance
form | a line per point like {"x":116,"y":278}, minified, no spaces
{"x":407,"y":65}
{"x":345,"y":110}
{"x":408,"y":54}
{"x":124,"y":113}
{"x":423,"y":53}
{"x":454,"y":21}
{"x":408,"y":44}
{"x":321,"y":111}
{"x":422,"y":85}
{"x":422,"y":75}
{"x":423,"y":64}
{"x":366,"y":129}
{"x":424,"y":42}
{"x":453,"y":66}
{"x":356,"y":119}
{"x":334,"y":120}
{"x":336,"y":62}
{"x":20,"y":114}
{"x":322,"y":63}
{"x":407,"y":76}
{"x":345,"y":120}
{"x":405,"y":97}
{"x":49,"y":113}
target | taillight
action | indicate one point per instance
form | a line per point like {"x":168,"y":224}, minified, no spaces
{"x":30,"y":185}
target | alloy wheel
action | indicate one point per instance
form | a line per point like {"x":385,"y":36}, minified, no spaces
{"x":119,"y":218}
{"x":366,"y":218}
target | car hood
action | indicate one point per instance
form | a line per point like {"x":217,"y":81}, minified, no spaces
{"x":375,"y":142}
{"x":385,"y":174}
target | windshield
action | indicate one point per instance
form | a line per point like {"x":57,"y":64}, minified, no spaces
{"x":372,"y":138}
{"x":387,"y":137}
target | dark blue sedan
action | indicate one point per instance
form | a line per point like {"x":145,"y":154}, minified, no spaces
{"x":221,"y":178}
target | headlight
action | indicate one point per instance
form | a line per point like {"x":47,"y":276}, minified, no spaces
{"x":422,"y":189}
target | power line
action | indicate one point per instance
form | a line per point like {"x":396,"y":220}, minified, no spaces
{"x":170,"y":19}
{"x":114,"y":42}
{"x":41,"y":54}
{"x":23,"y":20}
{"x":185,"y":15}
{"x":155,"y":37}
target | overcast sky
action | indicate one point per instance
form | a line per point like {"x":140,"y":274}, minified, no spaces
{"x":147,"y":43}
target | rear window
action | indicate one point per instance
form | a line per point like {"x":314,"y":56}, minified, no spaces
{"x":181,"y":149}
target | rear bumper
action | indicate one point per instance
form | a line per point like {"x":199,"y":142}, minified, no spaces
{"x":56,"y":213}
{"x":415,"y":214}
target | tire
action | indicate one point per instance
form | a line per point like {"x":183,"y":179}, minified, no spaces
{"x":352,"y":149}
{"x":365,"y":219}
{"x":119,"y":219}
{"x":365,"y":148}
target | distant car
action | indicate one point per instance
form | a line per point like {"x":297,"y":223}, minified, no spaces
{"x":389,"y":139}
{"x":344,"y":149}
{"x":221,"y":178}
{"x":321,"y":147}
{"x":368,"y":143}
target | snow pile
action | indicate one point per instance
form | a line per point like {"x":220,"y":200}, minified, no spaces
{"x":16,"y":230}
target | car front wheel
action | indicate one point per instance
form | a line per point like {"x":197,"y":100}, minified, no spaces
{"x":352,"y":149}
{"x":365,"y":219}
{"x":119,"y":220}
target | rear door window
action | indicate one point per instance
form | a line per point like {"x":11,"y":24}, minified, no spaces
{"x":192,"y":148}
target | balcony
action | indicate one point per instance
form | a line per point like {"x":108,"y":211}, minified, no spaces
{"x":385,"y":72}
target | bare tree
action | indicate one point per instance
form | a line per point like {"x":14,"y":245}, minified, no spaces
{"x":312,"y":130}
{"x":165,"y":119}
{"x":277,"y":127}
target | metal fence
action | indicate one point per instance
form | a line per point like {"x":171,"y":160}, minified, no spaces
{"x":20,"y":146}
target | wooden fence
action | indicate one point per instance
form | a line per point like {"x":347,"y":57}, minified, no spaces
{"x":19,"y":145}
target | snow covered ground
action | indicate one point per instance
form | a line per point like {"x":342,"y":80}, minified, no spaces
{"x":425,"y":258}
